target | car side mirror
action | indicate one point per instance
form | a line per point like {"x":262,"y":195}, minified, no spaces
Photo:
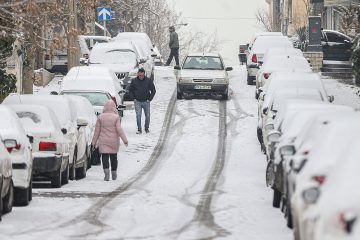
{"x":31,"y":138}
{"x":82,"y":122}
{"x":122,"y":91}
{"x":142,"y":60}
{"x":331,"y":98}
{"x":177,"y":67}
{"x":274,"y":136}
{"x":84,"y":61}
{"x":64,"y":131}
{"x":228,"y":69}
{"x":287,"y":150}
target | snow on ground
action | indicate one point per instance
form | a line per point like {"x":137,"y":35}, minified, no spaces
{"x":187,"y":192}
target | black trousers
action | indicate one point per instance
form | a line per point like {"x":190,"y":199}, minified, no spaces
{"x":173,"y":53}
{"x":113,"y":159}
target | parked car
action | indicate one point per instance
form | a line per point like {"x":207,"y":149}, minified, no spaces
{"x":18,"y":145}
{"x":336,"y":213}
{"x":121,"y":57}
{"x":262,"y":34}
{"x":284,"y":51}
{"x":313,"y":170}
{"x":203,"y":73}
{"x":97,"y":84}
{"x":6,"y":182}
{"x":336,"y":45}
{"x":281,"y":63}
{"x":243,"y":53}
{"x":87,"y":42}
{"x":259,"y":48}
{"x":86,"y":111}
{"x":57,"y":61}
{"x":65,"y":112}
{"x":49,"y":148}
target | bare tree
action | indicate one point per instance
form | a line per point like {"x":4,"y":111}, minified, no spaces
{"x":267,"y":22}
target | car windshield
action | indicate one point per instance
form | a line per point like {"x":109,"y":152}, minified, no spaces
{"x":208,"y":63}
{"x":95,"y":98}
{"x":114,"y":56}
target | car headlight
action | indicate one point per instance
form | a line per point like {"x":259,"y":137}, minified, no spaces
{"x":220,"y":80}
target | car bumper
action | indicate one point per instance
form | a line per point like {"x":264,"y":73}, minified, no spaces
{"x":47,"y":164}
{"x":202,"y":88}
{"x":252,"y":71}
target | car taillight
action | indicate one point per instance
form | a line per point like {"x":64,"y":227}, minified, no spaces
{"x":11,"y":145}
{"x":86,"y":55}
{"x":254,"y":58}
{"x":47,"y":146}
{"x":319,"y":179}
{"x":267,"y":75}
{"x":242,"y":50}
{"x":114,"y":99}
{"x":347,"y":220}
{"x":47,"y":57}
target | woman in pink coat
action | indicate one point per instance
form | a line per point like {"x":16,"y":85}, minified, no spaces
{"x":108,"y":130}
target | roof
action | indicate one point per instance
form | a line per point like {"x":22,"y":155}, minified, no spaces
{"x":199,"y":54}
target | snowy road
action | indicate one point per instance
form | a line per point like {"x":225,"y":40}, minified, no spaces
{"x":199,"y":174}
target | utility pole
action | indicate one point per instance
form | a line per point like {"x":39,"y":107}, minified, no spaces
{"x":73,"y":50}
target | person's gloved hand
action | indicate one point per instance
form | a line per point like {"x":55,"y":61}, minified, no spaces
{"x":93,"y":148}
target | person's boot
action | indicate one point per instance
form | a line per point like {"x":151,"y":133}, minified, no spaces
{"x":113,"y":175}
{"x":107,"y":174}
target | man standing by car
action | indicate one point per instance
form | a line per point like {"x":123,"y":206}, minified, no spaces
{"x":142,"y":89}
{"x":174,"y":46}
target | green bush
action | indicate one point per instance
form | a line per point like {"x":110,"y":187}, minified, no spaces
{"x":7,"y":84}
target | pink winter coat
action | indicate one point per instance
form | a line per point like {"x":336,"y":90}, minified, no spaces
{"x":108,"y":130}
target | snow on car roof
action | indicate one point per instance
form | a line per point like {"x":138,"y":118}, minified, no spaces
{"x":200,"y":54}
{"x":9,"y":123}
{"x":94,"y":83}
{"x":114,"y":45}
{"x":286,"y":63}
{"x":59,"y":104}
{"x":36,"y":118}
{"x":282,"y":51}
{"x":263,"y":43}
{"x":87,"y":71}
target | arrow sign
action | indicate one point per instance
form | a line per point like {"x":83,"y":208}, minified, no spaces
{"x":104,"y":13}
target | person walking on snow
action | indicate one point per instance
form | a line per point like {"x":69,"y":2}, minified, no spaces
{"x":108,"y":130}
{"x":174,"y":46}
{"x":142,"y":90}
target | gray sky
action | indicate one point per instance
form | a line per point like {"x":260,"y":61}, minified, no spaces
{"x":210,"y":15}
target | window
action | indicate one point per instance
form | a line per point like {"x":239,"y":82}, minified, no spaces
{"x":333,"y":37}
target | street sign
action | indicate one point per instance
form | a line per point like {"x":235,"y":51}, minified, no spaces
{"x":104,"y":13}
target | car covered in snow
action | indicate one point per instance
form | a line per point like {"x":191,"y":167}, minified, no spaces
{"x":97,"y":84}
{"x":66,"y":113}
{"x":258,"y":50}
{"x":202,"y":73}
{"x":19,"y":147}
{"x":6,"y":182}
{"x":50,"y":148}
{"x":281,"y":63}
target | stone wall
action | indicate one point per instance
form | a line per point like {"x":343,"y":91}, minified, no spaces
{"x":316,"y":60}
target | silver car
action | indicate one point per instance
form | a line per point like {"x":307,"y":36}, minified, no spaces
{"x":203,"y":73}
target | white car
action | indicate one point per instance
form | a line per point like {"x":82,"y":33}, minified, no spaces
{"x":65,"y":112}
{"x":50,"y":148}
{"x":281,"y":63}
{"x":283,"y":51}
{"x":17,"y":143}
{"x":203,"y":73}
{"x":314,"y":169}
{"x":121,"y":57}
{"x":97,"y":84}
{"x":85,"y":111}
{"x":337,"y":211}
{"x":258,"y":50}
{"x":6,"y":182}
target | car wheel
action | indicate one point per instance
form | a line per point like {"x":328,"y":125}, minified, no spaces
{"x":21,"y":196}
{"x":88,"y":157}
{"x":30,"y":190}
{"x":81,"y":172}
{"x":72,"y":168}
{"x":56,"y":180}
{"x":276,"y":198}
{"x":8,"y":200}
{"x":249,"y":80}
{"x":259,"y":135}
{"x":65,"y":175}
{"x":288,"y":214}
{"x":225,"y":96}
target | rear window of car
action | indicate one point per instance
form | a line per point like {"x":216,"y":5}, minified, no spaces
{"x":34,"y":120}
{"x":203,"y":62}
{"x":95,"y":98}
{"x":262,"y":44}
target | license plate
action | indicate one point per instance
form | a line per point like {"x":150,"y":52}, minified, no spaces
{"x":202,"y":87}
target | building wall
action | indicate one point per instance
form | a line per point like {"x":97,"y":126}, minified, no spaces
{"x":298,"y":15}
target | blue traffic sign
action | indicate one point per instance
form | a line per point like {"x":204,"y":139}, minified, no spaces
{"x":104,"y":13}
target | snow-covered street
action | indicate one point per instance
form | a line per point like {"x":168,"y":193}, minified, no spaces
{"x":199,"y":174}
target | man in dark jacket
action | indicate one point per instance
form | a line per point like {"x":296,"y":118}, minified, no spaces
{"x":174,"y":46}
{"x":142,"y":89}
